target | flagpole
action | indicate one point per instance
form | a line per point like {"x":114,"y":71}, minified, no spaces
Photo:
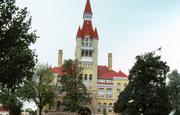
{"x":160,"y":50}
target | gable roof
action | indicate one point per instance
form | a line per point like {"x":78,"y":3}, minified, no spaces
{"x":57,"y":70}
{"x":102,"y":72}
{"x":105,"y":73}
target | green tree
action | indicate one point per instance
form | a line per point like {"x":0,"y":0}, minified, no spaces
{"x":30,"y":111}
{"x":146,"y":92}
{"x":10,"y":99}
{"x":17,"y":61}
{"x":76,"y":94}
{"x":40,"y":89}
{"x":174,"y":91}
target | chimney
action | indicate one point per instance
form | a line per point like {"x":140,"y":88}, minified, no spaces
{"x":60,"y":56}
{"x":110,"y":61}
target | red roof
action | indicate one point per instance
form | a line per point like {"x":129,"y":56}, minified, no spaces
{"x":79,"y":33}
{"x":88,"y":7}
{"x":3,"y":109}
{"x":87,"y":29}
{"x":105,"y":73}
{"x":57,"y":70}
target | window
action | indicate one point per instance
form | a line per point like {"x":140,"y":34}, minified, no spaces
{"x":85,"y":77}
{"x":82,"y":42}
{"x":125,"y":84}
{"x":90,"y":94}
{"x":118,"y":86}
{"x":82,"y":53}
{"x":99,"y":107}
{"x":90,"y":54}
{"x":110,"y":108}
{"x":104,"y":108}
{"x":86,"y":53}
{"x":58,"y":105}
{"x":90,"y":77}
{"x":80,"y":76}
{"x":101,"y":92}
{"x":108,"y":93}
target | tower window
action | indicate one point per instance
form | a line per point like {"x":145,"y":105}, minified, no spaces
{"x":90,"y":54}
{"x":86,"y":53}
{"x":82,"y":42}
{"x":82,"y":53}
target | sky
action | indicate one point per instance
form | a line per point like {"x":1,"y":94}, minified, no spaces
{"x":126,"y":28}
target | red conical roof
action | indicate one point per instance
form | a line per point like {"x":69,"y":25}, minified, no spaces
{"x":95,"y":34}
{"x":88,"y":7}
{"x":87,"y":29}
{"x":79,"y":34}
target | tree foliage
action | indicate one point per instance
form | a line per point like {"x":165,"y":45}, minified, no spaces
{"x":146,"y":92}
{"x":174,"y":91}
{"x":76,"y":94}
{"x":10,"y":99}
{"x":16,"y":59}
{"x":31,"y":112}
{"x":40,"y":89}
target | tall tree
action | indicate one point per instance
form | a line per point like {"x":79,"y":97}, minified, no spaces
{"x":16,"y":59}
{"x":174,"y":91}
{"x":41,"y":89}
{"x":76,"y":94}
{"x":146,"y":92}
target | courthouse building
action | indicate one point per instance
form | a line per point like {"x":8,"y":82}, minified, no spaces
{"x":103,"y":83}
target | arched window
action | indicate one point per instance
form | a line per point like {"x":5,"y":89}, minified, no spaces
{"x":90,"y":77}
{"x":118,"y":86}
{"x":104,"y":105}
{"x":85,"y":77}
{"x":110,"y":108}
{"x":125,"y":84}
{"x":99,"y":107}
{"x":80,"y":76}
{"x":104,"y":108}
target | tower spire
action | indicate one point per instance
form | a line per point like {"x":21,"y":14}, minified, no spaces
{"x":87,"y":11}
{"x":88,"y":8}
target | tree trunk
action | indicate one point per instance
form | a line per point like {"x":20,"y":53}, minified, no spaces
{"x":10,"y":110}
{"x":40,"y":110}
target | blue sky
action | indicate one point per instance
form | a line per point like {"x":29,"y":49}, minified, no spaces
{"x":126,"y":28}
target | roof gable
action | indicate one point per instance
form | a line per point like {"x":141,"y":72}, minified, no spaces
{"x":105,"y":73}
